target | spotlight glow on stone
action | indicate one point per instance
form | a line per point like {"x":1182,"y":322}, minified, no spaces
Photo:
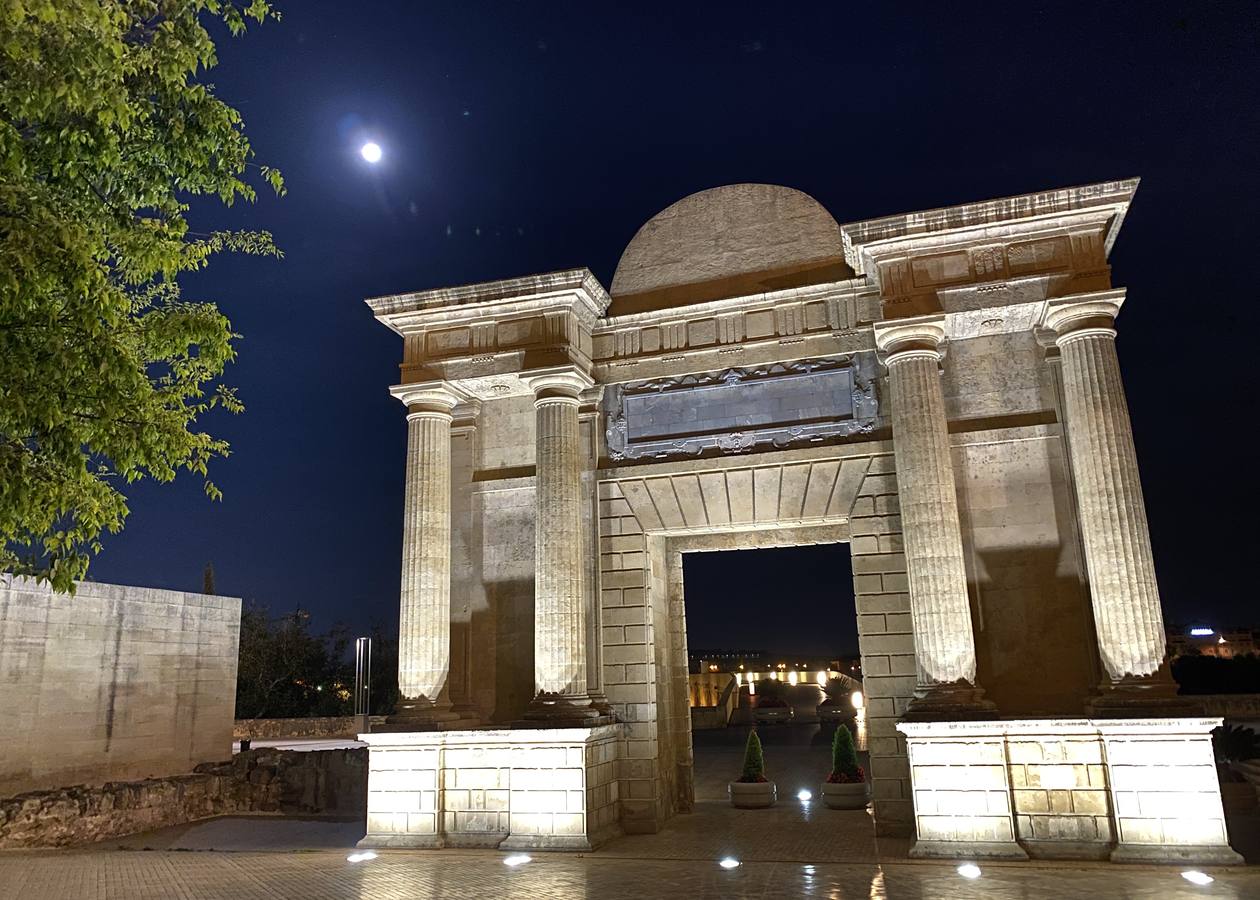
{"x":362,"y":856}
{"x":804,"y":796}
{"x":515,"y":860}
{"x":371,"y":151}
{"x":729,"y":862}
{"x":969,"y":870}
{"x":1195,"y":877}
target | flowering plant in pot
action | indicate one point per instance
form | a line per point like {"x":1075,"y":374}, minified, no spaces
{"x":845,"y":787}
{"x":753,"y":790}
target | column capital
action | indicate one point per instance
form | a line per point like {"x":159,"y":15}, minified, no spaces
{"x":434,"y":398}
{"x":903,"y":338}
{"x":558,"y":383}
{"x":1074,"y":317}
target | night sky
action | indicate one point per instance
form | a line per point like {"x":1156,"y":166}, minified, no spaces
{"x":527,"y":137}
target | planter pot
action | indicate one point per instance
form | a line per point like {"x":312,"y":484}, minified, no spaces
{"x":757,"y":795}
{"x":846,"y":796}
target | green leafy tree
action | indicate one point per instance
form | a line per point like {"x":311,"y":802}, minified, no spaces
{"x":754,"y":762}
{"x":285,"y":671}
{"x":107,"y":130}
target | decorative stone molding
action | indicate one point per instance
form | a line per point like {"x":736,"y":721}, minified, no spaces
{"x":642,"y":422}
{"x":429,"y":398}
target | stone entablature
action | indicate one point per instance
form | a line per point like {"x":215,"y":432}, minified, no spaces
{"x":1052,"y":243}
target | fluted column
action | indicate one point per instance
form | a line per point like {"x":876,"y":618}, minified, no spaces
{"x":1127,"y":615}
{"x":424,"y":622}
{"x":940,"y":610}
{"x":559,"y":563}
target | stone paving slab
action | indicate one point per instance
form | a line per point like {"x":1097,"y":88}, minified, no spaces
{"x":398,"y":875}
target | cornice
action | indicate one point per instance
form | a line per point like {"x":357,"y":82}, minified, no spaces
{"x":1110,"y":197}
{"x":491,"y":299}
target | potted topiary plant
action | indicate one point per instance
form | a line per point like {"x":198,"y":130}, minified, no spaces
{"x":752,"y":790}
{"x":845,"y":787}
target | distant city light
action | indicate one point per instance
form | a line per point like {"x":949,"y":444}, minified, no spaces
{"x":361,"y":856}
{"x":969,"y":870}
{"x":822,"y":679}
{"x":518,"y":859}
{"x":371,"y":152}
{"x":1201,"y":632}
{"x":793,"y":677}
{"x":729,"y":862}
{"x":1221,"y":640}
{"x":1196,"y":877}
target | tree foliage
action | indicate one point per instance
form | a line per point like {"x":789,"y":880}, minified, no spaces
{"x":286,"y":671}
{"x":1217,"y":675}
{"x":754,"y":760}
{"x":107,"y":130}
{"x":844,"y":760}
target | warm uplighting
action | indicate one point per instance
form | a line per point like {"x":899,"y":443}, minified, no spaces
{"x":739,"y":677}
{"x":361,"y":856}
{"x":729,"y":862}
{"x":804,"y":796}
{"x":752,"y":688}
{"x":859,"y":702}
{"x":794,"y":677}
{"x":822,"y":679}
{"x":371,"y":152}
{"x":969,"y":870}
{"x":517,"y":859}
{"x":712,"y":667}
{"x":774,"y":675}
{"x":1195,"y":877}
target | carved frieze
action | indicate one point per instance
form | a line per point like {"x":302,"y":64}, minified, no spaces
{"x":737,"y":410}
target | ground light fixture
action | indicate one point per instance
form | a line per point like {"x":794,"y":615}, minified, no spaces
{"x":1196,"y":877}
{"x":969,"y":870}
{"x":361,"y":856}
{"x":804,"y":796}
{"x":728,"y":862}
{"x":516,"y":859}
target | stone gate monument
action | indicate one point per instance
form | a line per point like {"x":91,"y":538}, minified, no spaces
{"x":940,"y":390}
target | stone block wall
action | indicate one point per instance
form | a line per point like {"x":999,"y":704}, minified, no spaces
{"x":1119,"y":789}
{"x":258,"y":781}
{"x":113,"y":683}
{"x":804,"y":496}
{"x":529,"y":788}
{"x":314,"y":727}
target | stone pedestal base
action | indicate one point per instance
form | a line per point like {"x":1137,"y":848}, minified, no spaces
{"x":561,"y":711}
{"x":955,"y":702}
{"x":1153,"y":696}
{"x":1129,"y":790}
{"x":535,"y":789}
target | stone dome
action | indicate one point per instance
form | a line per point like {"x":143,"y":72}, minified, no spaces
{"x":726,"y":242}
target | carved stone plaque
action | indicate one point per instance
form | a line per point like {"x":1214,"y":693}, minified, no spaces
{"x":735,"y":410}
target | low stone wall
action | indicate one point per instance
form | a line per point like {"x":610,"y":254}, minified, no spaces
{"x":280,"y":781}
{"x":1229,"y":706}
{"x":1124,"y":789}
{"x":523,"y":789}
{"x":325,"y":727}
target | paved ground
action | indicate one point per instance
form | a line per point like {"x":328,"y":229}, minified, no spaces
{"x":795,"y":849}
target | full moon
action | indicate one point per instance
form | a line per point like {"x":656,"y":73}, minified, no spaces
{"x":371,"y":152}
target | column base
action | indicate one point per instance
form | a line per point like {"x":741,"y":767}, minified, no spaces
{"x":423,"y":715}
{"x":967,"y":850}
{"x":956,"y":702}
{"x":562,"y":711}
{"x":1141,"y":696}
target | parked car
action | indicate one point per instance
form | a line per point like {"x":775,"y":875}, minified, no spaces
{"x":773,"y":709}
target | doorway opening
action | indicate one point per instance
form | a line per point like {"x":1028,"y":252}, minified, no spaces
{"x":772,"y":645}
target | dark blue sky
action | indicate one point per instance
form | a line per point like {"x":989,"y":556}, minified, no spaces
{"x":525,"y":137}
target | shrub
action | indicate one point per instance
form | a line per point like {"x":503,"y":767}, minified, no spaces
{"x":844,"y":766}
{"x":754,"y":762}
{"x":1235,"y":743}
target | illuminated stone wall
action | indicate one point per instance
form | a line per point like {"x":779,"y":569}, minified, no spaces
{"x":115,"y":683}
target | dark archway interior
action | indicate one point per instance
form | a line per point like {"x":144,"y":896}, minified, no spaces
{"x":781,"y":601}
